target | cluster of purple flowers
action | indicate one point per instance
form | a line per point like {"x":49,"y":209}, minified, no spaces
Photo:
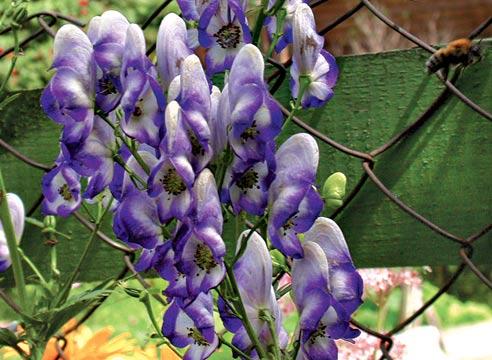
{"x":174,"y":152}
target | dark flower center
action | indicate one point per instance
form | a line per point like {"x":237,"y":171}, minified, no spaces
{"x":172,"y":182}
{"x":64,"y":191}
{"x":204,"y":258}
{"x":107,"y":87}
{"x":137,"y":112}
{"x":248,"y":180}
{"x":196,"y":147}
{"x":197,"y":337}
{"x":320,"y":332}
{"x":249,"y":133}
{"x":289,"y":224}
{"x":228,"y":36}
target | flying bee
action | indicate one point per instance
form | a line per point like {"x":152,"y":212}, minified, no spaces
{"x":461,"y":51}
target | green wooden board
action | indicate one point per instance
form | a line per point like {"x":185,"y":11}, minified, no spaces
{"x":443,"y":170}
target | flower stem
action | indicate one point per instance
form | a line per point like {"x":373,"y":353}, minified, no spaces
{"x":304,"y":82}
{"x":8,"y":228}
{"x":33,"y":267}
{"x":62,"y":296}
{"x":259,"y":21}
{"x":244,"y":316}
{"x":123,"y":138}
{"x":279,"y":31}
{"x":273,"y":332}
{"x":235,"y":349}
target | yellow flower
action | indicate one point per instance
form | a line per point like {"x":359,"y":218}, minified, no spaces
{"x":84,"y":344}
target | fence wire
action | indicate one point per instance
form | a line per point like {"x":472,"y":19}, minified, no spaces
{"x":47,"y":20}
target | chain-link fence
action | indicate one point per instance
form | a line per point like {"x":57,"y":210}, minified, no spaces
{"x":465,"y":246}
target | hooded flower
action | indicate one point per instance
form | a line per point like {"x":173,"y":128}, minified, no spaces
{"x":253,"y":273}
{"x":246,"y":185}
{"x":219,"y":119}
{"x":107,"y":34}
{"x":17,"y":215}
{"x":172,"y":177}
{"x":94,"y":157}
{"x":199,"y":248}
{"x":286,"y":38}
{"x":61,"y":187}
{"x":172,"y":48}
{"x":255,"y":117}
{"x":68,"y":99}
{"x":322,"y":318}
{"x":345,"y":282}
{"x":191,"y":323}
{"x":294,"y":201}
{"x":142,"y":101}
{"x":223,"y":30}
{"x":311,"y":61}
{"x":195,"y":102}
{"x":136,"y":219}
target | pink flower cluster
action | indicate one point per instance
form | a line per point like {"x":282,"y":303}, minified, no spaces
{"x":366,"y":347}
{"x":383,"y":280}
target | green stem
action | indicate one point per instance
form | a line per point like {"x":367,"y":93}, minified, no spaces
{"x":259,"y":21}
{"x":304,"y":82}
{"x":41,"y":225}
{"x":244,"y":242}
{"x":273,"y":332}
{"x":244,"y":316}
{"x":125,"y":140}
{"x":8,"y":228}
{"x":33,"y":267}
{"x":117,"y":158}
{"x":234,"y":348}
{"x":66,"y":288}
{"x":279,"y":31}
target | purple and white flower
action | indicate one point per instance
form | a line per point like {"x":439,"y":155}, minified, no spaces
{"x":289,"y":7}
{"x":107,"y":34}
{"x":17,"y":215}
{"x":142,"y":101}
{"x":310,"y":61}
{"x":69,"y":97}
{"x":195,"y":102}
{"x":255,"y":118}
{"x":253,"y":273}
{"x":322,"y":318}
{"x":294,"y":201}
{"x":191,"y":323}
{"x":172,"y":178}
{"x":345,"y":282}
{"x":171,"y":48}
{"x":199,"y":248}
{"x":94,"y":157}
{"x":223,"y":30}
{"x":246,"y":185}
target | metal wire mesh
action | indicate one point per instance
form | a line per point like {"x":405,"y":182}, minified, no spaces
{"x":47,"y":20}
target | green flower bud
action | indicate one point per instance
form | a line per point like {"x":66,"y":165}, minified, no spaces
{"x":50,"y":222}
{"x":334,"y":190}
{"x":20,"y":15}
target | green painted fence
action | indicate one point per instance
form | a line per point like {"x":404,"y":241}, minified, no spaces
{"x":442,"y":170}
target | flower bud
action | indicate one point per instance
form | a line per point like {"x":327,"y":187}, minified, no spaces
{"x":20,"y":15}
{"x":334,"y":190}
{"x":49,"y":222}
